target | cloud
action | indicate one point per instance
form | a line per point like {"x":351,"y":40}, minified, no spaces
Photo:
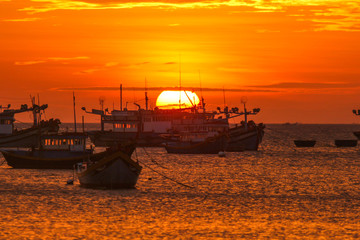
{"x":307,"y":85}
{"x":236,"y":70}
{"x":325,"y":15}
{"x":110,"y":65}
{"x":22,"y":20}
{"x":97,"y":88}
{"x":28,"y":63}
{"x":50,"y":59}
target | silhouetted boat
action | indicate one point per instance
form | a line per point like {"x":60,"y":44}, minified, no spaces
{"x":243,"y":138}
{"x":56,"y":151}
{"x":246,"y":136}
{"x":346,"y":143}
{"x":115,"y":170}
{"x":151,"y":125}
{"x":305,"y":143}
{"x":29,"y":137}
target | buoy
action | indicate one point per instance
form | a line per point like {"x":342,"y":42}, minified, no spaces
{"x":221,"y":154}
{"x":70,"y":182}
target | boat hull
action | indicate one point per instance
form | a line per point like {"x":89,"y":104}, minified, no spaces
{"x":37,"y":159}
{"x":305,"y":143}
{"x":115,"y":171}
{"x":109,"y":138}
{"x":346,"y":143}
{"x":241,"y":140}
{"x":210,"y":146}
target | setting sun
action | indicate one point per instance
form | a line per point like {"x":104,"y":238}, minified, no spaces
{"x":173,"y":99}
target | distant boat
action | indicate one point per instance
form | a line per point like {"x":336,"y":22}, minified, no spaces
{"x":113,"y":171}
{"x":11,"y":137}
{"x":305,"y":143}
{"x":346,"y":143}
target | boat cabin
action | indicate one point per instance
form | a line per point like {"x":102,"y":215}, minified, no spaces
{"x":6,"y":125}
{"x":62,"y":142}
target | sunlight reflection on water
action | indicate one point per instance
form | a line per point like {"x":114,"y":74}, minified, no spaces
{"x":279,"y":192}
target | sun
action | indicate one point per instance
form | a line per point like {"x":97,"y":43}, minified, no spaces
{"x":175,"y":99}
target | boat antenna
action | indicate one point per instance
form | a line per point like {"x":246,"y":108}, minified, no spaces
{"x":146,"y":97}
{"x":39,"y":120}
{"x":121,"y":97}
{"x":243,"y":101}
{"x":180,"y":80}
{"x":74,"y":111}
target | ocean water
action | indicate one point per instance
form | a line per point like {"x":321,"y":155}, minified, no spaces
{"x":278,"y":192}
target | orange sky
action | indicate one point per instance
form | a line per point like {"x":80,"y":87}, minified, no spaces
{"x":299,"y":61}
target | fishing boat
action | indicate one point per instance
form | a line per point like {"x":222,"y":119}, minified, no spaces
{"x":152,"y":125}
{"x":12,"y":137}
{"x":56,"y":151}
{"x":113,"y":171}
{"x":247,"y":135}
{"x":243,"y":138}
{"x":146,"y":125}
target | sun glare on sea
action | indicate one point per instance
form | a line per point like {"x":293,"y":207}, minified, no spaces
{"x":173,"y":99}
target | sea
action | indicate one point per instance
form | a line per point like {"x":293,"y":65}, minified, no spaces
{"x":278,"y":192}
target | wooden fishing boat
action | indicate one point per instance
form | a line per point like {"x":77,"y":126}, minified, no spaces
{"x":305,"y":143}
{"x":113,"y":171}
{"x":243,"y":138}
{"x":56,"y":151}
{"x":346,"y":143}
{"x":12,"y":137}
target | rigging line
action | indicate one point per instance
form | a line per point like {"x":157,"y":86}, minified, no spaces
{"x":153,"y":159}
{"x":164,"y":176}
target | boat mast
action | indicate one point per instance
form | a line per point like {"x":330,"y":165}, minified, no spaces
{"x":121,"y":97}
{"x":146,"y":96}
{"x":34,"y":110}
{"x":74,"y":111}
{"x":201,"y":94}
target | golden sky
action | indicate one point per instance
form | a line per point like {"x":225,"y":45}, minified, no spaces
{"x":298,"y":60}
